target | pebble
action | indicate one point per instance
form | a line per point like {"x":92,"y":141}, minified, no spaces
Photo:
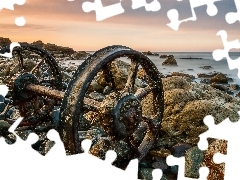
{"x":180,"y":149}
{"x":2,"y":106}
{"x":1,"y":98}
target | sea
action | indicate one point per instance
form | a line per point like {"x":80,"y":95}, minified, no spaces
{"x":191,"y":63}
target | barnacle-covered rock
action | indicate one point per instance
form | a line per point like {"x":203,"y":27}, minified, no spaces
{"x":186,"y":103}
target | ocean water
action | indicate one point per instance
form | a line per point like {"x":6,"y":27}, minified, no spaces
{"x":191,"y":66}
{"x":196,"y":64}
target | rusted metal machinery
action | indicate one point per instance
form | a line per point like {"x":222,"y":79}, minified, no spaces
{"x":127,"y":115}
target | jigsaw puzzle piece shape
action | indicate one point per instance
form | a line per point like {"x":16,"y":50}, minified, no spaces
{"x":229,"y":144}
{"x":232,"y":17}
{"x":230,"y":158}
{"x":102,"y":12}
{"x":224,"y":53}
{"x":180,"y":162}
{"x":9,"y":4}
{"x":9,"y":54}
{"x":153,"y":6}
{"x":173,"y":14}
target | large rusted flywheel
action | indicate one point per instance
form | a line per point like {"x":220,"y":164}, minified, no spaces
{"x":128,"y":112}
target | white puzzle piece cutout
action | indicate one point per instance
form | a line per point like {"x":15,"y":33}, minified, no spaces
{"x":180,"y":162}
{"x":173,"y":14}
{"x":102,"y":12}
{"x":232,"y":17}
{"x":9,"y":4}
{"x":229,"y":131}
{"x":12,"y":46}
{"x":153,"y":6}
{"x":219,"y":54}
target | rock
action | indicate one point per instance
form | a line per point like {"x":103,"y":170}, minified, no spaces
{"x":234,"y":87}
{"x":38,"y":43}
{"x":4,"y":126}
{"x":193,"y":158}
{"x":220,"y":87}
{"x":183,"y":75}
{"x":145,"y":173}
{"x":2,"y":106}
{"x":180,"y":149}
{"x":80,"y":55}
{"x":186,"y":103}
{"x":107,"y":90}
{"x":100,"y":148}
{"x":216,"y":171}
{"x":205,"y":81}
{"x":219,"y":78}
{"x":160,"y":165}
{"x":204,"y":75}
{"x":206,"y":67}
{"x":163,"y":56}
{"x":170,"y":61}
{"x":149,"y":53}
{"x":160,"y":152}
{"x":2,"y":98}
{"x":96,"y":96}
{"x":5,"y":41}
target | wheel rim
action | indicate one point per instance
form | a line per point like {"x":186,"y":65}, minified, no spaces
{"x":42,"y":65}
{"x":73,"y":106}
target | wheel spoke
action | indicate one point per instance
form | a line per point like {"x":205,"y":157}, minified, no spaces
{"x":132,"y":76}
{"x":108,"y":75}
{"x":20,"y":58}
{"x":37,"y":65}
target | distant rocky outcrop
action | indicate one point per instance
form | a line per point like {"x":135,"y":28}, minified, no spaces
{"x":170,"y":61}
{"x":4,"y":42}
{"x":59,"y":52}
{"x":163,"y":56}
{"x":149,"y":53}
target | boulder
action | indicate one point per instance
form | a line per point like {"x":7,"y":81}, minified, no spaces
{"x":170,"y":61}
{"x":186,"y":103}
{"x":219,"y":78}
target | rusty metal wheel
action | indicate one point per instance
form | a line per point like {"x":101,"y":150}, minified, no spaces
{"x":31,"y":64}
{"x":123,"y":101}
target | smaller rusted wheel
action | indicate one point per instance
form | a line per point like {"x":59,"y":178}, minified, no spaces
{"x":118,"y":100}
{"x":31,"y":64}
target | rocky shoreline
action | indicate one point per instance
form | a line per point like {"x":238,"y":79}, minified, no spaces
{"x":186,"y":103}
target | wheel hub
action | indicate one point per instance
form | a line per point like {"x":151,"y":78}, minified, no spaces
{"x":127,"y":115}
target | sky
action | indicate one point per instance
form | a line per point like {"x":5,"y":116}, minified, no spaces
{"x":65,"y":23}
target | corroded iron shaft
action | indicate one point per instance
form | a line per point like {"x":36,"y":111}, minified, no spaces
{"x":58,"y":95}
{"x":45,"y":91}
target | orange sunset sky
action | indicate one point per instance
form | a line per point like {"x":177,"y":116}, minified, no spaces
{"x":65,"y":23}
